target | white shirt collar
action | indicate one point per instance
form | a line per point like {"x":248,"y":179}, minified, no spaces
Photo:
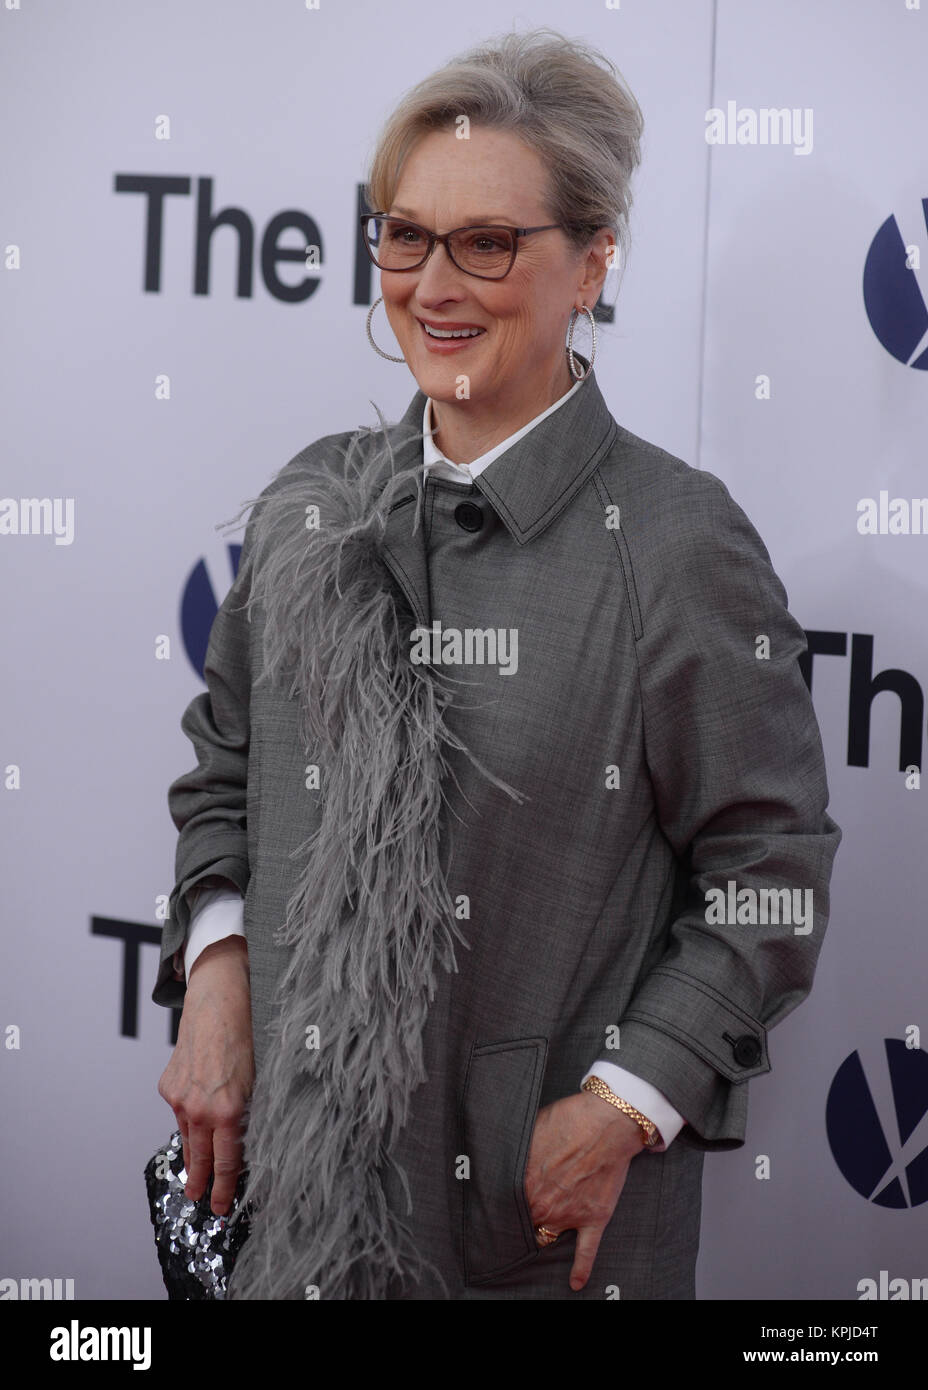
{"x":434,"y":459}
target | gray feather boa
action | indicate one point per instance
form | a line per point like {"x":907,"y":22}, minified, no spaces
{"x":372,"y":919}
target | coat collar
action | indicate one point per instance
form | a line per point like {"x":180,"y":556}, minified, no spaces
{"x":528,"y":486}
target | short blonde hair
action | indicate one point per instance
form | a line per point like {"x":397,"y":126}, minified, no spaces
{"x":561,"y":96}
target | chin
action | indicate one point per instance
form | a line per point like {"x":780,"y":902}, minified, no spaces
{"x":439,"y":381}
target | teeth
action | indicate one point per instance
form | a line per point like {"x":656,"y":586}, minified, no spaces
{"x":452,"y":333}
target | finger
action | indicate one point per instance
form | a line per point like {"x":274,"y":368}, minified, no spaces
{"x":545,"y":1203}
{"x":227,"y":1164}
{"x":182,"y":1126}
{"x":588,"y":1238}
{"x":200,"y":1142}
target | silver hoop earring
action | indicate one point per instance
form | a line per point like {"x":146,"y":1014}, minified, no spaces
{"x":370,"y":336}
{"x":575,"y":314}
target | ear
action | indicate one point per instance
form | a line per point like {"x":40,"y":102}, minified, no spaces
{"x":595,"y":266}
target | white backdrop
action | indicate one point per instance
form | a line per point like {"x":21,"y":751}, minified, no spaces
{"x":746,"y":281}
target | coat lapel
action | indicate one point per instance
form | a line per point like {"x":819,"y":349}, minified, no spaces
{"x":531,"y":483}
{"x":527,"y":486}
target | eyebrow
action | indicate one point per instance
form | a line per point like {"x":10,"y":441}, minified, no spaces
{"x":481,"y":219}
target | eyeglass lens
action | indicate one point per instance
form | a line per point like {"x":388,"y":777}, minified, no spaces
{"x":398,"y":245}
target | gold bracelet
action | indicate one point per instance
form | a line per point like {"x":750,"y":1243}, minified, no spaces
{"x":650,"y":1134}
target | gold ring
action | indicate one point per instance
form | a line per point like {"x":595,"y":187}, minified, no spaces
{"x":544,"y":1236}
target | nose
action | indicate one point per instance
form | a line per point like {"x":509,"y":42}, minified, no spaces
{"x":440,"y":278}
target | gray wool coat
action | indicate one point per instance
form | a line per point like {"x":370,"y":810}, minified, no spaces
{"x":665,"y":748}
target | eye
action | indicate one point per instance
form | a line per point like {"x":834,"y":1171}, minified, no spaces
{"x":405,"y":234}
{"x":484,"y":243}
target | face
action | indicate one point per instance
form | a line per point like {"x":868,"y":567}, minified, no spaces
{"x":493,"y":177}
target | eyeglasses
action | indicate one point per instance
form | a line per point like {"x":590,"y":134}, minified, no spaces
{"x":487,"y":252}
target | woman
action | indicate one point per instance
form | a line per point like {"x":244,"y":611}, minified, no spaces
{"x":503,"y":702}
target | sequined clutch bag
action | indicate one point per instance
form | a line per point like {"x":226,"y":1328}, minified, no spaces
{"x":196,"y":1248}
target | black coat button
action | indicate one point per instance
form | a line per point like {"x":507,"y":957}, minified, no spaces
{"x":747,"y":1050}
{"x":468,"y":516}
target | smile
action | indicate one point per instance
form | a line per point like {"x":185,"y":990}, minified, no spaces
{"x":449,"y":334}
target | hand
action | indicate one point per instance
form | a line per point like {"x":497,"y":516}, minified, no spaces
{"x":577,"y":1164}
{"x":212,"y":1070}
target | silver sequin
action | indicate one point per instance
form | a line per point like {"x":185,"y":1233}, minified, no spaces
{"x":196,"y":1248}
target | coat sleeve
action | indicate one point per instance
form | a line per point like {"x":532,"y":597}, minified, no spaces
{"x":737,"y":766}
{"x":208,"y":804}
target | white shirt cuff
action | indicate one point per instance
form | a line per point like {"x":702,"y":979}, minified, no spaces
{"x":644,"y":1097}
{"x":217,"y":913}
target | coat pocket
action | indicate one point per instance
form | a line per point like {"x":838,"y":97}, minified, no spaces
{"x":501,"y":1091}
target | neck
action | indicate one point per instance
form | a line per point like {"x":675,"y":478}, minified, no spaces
{"x":466,"y":430}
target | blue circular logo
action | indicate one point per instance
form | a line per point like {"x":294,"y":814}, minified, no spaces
{"x":198,"y":608}
{"x":877,"y":1126}
{"x":893,"y":298}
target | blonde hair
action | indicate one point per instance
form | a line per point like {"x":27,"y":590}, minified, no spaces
{"x":561,"y":96}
